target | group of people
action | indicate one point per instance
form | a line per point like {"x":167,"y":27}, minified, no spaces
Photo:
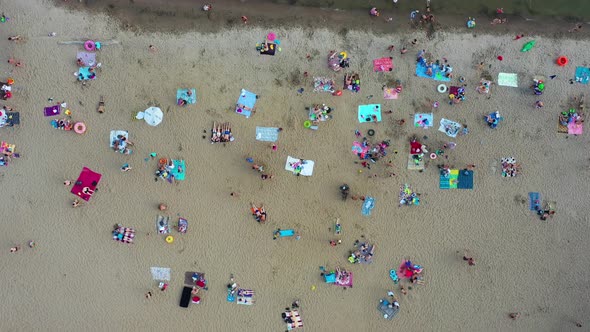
{"x":362,"y":254}
{"x":443,"y":66}
{"x":319,"y":113}
{"x":510,"y":168}
{"x":221,"y":133}
{"x":259,"y":213}
{"x":337,"y":61}
{"x":121,"y":144}
{"x":165,"y":168}
{"x":352,"y":82}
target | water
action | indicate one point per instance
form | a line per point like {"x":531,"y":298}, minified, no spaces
{"x":579,"y":9}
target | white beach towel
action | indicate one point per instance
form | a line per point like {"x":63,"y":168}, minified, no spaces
{"x":115,"y":133}
{"x":161,"y":273}
{"x":295,"y":166}
{"x":508,"y":79}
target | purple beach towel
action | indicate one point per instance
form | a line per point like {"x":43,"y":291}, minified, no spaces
{"x":52,"y":110}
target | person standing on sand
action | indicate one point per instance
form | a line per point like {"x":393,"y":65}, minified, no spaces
{"x":470,"y":260}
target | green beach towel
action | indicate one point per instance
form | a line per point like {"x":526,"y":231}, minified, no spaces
{"x":508,"y":79}
{"x":179,"y":171}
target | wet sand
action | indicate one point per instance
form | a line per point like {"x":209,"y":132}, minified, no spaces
{"x":77,"y":277}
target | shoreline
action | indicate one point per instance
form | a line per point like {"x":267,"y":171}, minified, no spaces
{"x":186,"y":16}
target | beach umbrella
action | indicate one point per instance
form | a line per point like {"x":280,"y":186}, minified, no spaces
{"x":153,"y":116}
{"x":526,"y":47}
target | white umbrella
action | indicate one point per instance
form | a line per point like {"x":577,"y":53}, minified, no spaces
{"x":153,"y":116}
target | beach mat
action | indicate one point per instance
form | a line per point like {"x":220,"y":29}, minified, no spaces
{"x":423,"y":120}
{"x":188,"y":278}
{"x":341,"y":283}
{"x":582,"y":75}
{"x":575,"y":129}
{"x":414,"y":166}
{"x":163,"y":224}
{"x":437,"y":74}
{"x":534,"y":201}
{"x":286,"y":232}
{"x":246,"y":103}
{"x":366,"y":113}
{"x":87,"y":179}
{"x":450,"y":182}
{"x":115,"y":133}
{"x":52,"y":110}
{"x":368,"y":206}
{"x":390,"y":93}
{"x":272,"y":49}
{"x":383,"y":64}
{"x":267,"y":134}
{"x":85,"y":74}
{"x":508,"y":79}
{"x":185,"y":297}
{"x":160,"y":273}
{"x":88,"y":59}
{"x":295,"y":166}
{"x":179,"y":170}
{"x":465,"y":180}
{"x":387,"y":312}
{"x":13,"y":118}
{"x":182,"y":94}
{"x":451,"y":128}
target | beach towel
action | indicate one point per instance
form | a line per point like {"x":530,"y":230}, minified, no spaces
{"x":424,"y":120}
{"x":323,"y":84}
{"x":267,"y":134}
{"x":246,"y":103}
{"x":449,"y":181}
{"x":465,"y":179}
{"x":163,"y":224}
{"x":86,"y":184}
{"x":52,"y":110}
{"x":387,"y":312}
{"x":286,"y":232}
{"x":383,"y":64}
{"x":368,"y":206}
{"x":123,"y":234}
{"x":160,"y":273}
{"x":230,"y":295}
{"x":582,"y":75}
{"x":13,"y":118}
{"x":88,"y":59}
{"x":245,"y":296}
{"x":85,"y":74}
{"x":299,"y":166}
{"x":191,"y":278}
{"x":390,"y":93}
{"x":182,"y":94}
{"x":508,"y":79}
{"x":575,"y":129}
{"x":272,"y":49}
{"x":534,"y":201}
{"x":113,"y":137}
{"x":297,"y":322}
{"x":343,"y":279}
{"x":437,"y":74}
{"x":484,"y":86}
{"x":415,"y":162}
{"x":185,"y":297}
{"x":359,"y":150}
{"x":179,"y":170}
{"x":451,"y":128}
{"x":182,"y":225}
{"x":369,"y":113}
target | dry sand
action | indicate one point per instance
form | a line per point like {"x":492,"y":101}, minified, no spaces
{"x":79,"y":278}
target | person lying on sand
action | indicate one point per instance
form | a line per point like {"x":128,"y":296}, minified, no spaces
{"x":15,"y":38}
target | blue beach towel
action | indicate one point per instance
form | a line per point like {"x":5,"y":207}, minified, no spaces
{"x":437,"y":74}
{"x":465,"y":179}
{"x":286,"y":232}
{"x":230,"y":297}
{"x":267,"y":134}
{"x":582,"y":75}
{"x":534,"y":201}
{"x":368,"y":205}
{"x":182,"y":94}
{"x":366,"y":113}
{"x":85,"y":74}
{"x":246,"y":103}
{"x":179,"y":171}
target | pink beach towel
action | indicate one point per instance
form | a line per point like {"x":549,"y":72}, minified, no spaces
{"x":359,"y":149}
{"x":86,"y":184}
{"x":390,"y":93}
{"x":383,"y":64}
{"x":575,"y":129}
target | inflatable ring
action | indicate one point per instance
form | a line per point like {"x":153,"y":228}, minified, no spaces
{"x":461,"y":79}
{"x":89,"y":45}
{"x":169,"y":239}
{"x":433,"y":155}
{"x":343,"y":55}
{"x":370,"y":132}
{"x":562,"y":61}
{"x":79,"y":128}
{"x":307,"y":124}
{"x":441,"y":88}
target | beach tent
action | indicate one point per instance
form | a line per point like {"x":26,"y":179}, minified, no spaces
{"x":152,"y":116}
{"x":246,"y":103}
{"x":86,"y":184}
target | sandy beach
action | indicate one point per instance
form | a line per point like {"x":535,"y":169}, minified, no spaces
{"x":77,"y":277}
